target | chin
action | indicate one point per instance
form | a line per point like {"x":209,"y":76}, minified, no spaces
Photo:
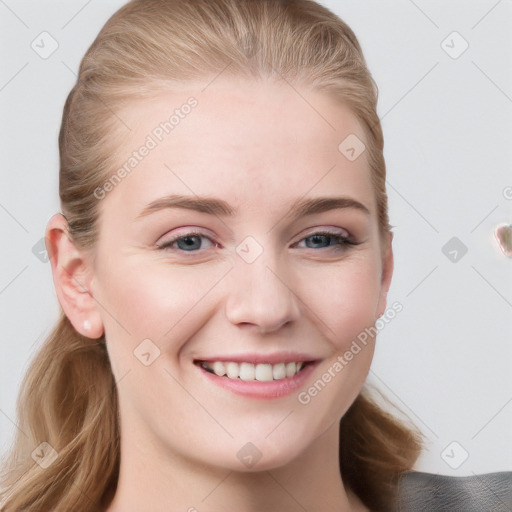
{"x":260,"y":454}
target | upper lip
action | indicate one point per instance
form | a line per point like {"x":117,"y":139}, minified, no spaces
{"x":259,"y":358}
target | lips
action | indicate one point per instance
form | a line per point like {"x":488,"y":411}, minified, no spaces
{"x":258,"y":375}
{"x":246,"y":371}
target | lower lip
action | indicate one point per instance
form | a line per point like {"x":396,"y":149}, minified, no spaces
{"x":265,"y":390}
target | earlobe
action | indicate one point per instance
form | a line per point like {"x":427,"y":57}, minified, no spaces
{"x":72,"y":276}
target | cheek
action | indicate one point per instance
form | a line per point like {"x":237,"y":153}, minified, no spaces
{"x":154,"y":301}
{"x":343,"y":299}
{"x":346,"y":306}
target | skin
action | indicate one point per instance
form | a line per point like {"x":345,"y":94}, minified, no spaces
{"x":259,"y":146}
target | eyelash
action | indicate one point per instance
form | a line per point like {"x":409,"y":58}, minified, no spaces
{"x":341,"y":242}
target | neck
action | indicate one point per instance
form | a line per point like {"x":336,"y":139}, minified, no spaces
{"x":151,"y":481}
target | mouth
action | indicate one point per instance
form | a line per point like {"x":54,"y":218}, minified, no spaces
{"x":260,"y":377}
{"x":261,"y":372}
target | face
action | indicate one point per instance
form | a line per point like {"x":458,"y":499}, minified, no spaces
{"x":247,"y":284}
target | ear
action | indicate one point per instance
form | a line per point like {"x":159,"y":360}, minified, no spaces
{"x":387,"y":272}
{"x":72,"y":274}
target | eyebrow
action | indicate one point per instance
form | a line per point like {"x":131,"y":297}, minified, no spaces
{"x":221,"y":208}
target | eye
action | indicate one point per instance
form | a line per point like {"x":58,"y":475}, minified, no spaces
{"x":188,"y":242}
{"x":326,"y":239}
{"x":194,"y":241}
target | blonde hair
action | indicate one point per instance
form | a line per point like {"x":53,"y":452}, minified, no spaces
{"x":68,"y":398}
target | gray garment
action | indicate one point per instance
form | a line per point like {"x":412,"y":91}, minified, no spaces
{"x":428,"y":492}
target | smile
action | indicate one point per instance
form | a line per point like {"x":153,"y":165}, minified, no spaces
{"x":262,"y":372}
{"x":258,"y":376}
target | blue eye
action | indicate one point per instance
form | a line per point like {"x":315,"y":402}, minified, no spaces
{"x":190,"y":242}
{"x":193,"y":242}
{"x":326,"y":239}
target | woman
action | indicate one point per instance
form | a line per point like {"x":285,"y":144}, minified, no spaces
{"x":221,"y":259}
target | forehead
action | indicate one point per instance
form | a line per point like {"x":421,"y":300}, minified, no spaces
{"x":250,"y":142}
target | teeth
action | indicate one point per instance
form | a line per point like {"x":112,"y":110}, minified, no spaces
{"x":291,"y":369}
{"x":233,"y":370}
{"x":219,"y":368}
{"x":263,"y":372}
{"x":247,"y":371}
{"x":279,"y":371}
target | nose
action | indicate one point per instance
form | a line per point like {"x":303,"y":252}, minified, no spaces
{"x":259,"y":295}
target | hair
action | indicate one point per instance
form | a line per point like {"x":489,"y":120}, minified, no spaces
{"x":68,"y":397}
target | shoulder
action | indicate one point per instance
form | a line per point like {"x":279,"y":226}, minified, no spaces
{"x":432,"y":492}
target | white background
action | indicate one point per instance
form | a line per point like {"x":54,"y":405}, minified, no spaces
{"x":446,"y":359}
